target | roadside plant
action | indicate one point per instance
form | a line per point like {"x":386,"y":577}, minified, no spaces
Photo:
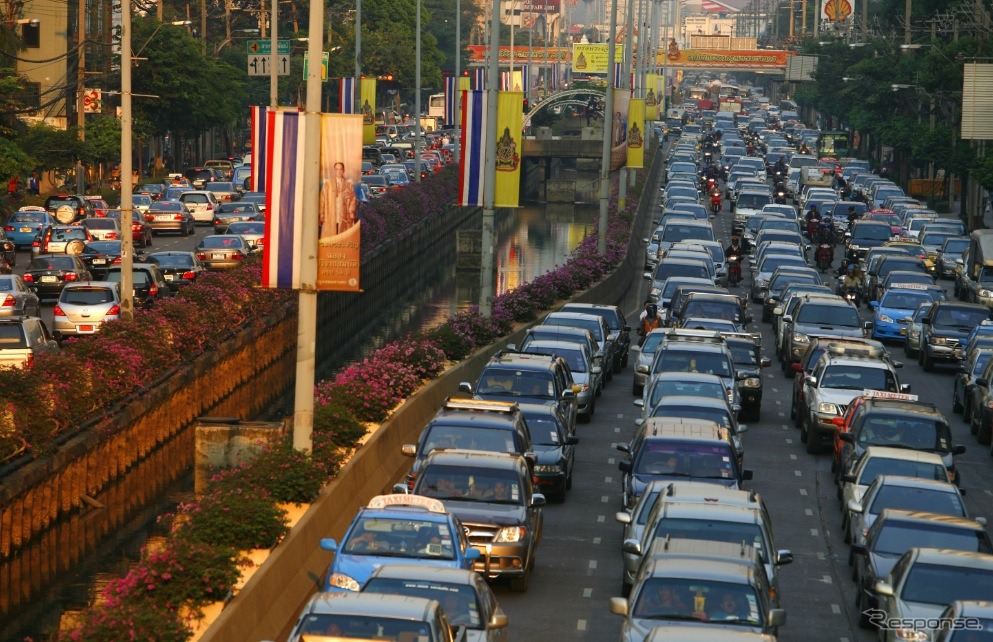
{"x":235,"y":517}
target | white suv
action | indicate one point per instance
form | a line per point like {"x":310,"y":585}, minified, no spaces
{"x":202,"y":205}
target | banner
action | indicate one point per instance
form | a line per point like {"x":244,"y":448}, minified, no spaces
{"x":284,"y":199}
{"x":473,"y":144}
{"x":451,"y":95}
{"x":368,"y":99}
{"x":722,"y":59}
{"x":465,"y":84}
{"x":512,"y":81}
{"x":346,"y":96}
{"x":619,"y":129}
{"x":654,"y":84}
{"x":522,"y":54}
{"x":256,"y":182}
{"x":510,"y":124}
{"x":479,"y":79}
{"x":636,"y":133}
{"x":338,"y":255}
{"x":592,"y":58}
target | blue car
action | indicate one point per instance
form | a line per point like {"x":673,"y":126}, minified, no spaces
{"x":397,"y":529}
{"x":898,"y":303}
{"x":25,"y":224}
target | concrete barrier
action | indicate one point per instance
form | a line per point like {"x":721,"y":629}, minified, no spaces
{"x":266,"y":608}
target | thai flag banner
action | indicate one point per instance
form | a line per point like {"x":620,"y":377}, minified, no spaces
{"x":346,"y":96}
{"x":451,"y":95}
{"x":473,"y":143}
{"x":256,"y":182}
{"x":618,"y":74}
{"x":284,"y":199}
{"x":525,"y":79}
{"x":504,"y":80}
{"x":479,"y":78}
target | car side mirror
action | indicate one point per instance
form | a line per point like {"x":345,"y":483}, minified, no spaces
{"x":777,"y":311}
{"x":596,"y":370}
{"x":512,"y":347}
{"x":408,"y":450}
{"x":639,"y":402}
{"x":400,"y":489}
{"x":884,"y":588}
{"x":859,"y":549}
{"x":619,"y":606}
{"x":499,"y":619}
{"x":787,"y":318}
{"x":568,"y":395}
{"x":648,"y":276}
{"x":776,"y":617}
{"x":329,"y":544}
{"x":846,"y":437}
{"x":855,"y":506}
{"x":465,"y":387}
{"x":537,"y":500}
{"x":905,"y":387}
{"x":624,"y":466}
{"x":873,"y":304}
{"x":623,"y":517}
{"x":742,"y":429}
{"x":784,"y":557}
{"x":472,"y":553}
{"x":867,"y":326}
{"x":631,"y":546}
{"x":746,"y":475}
{"x":765,"y":362}
{"x":797,"y":367}
{"x":571,"y":440}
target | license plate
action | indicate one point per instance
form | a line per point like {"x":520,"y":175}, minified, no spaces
{"x":903,"y":330}
{"x":25,"y":229}
{"x":84,"y":328}
{"x":99,"y":261}
{"x":217,"y":256}
{"x":49,"y":279}
{"x":164,"y":217}
{"x":168,"y":277}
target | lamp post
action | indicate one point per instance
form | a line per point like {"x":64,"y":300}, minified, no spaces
{"x":608,"y":119}
{"x":489,"y":164}
{"x":417,"y":98}
{"x":230,"y":39}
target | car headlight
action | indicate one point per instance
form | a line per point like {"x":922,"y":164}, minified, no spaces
{"x":854,"y":247}
{"x":751,"y":382}
{"x":548,"y":468}
{"x":800,"y":338}
{"x":655,"y":293}
{"x":915,"y":333}
{"x":986,"y":293}
{"x":939,"y":341}
{"x":828,"y":409}
{"x":342,"y":581}
{"x":583,"y":387}
{"x":762,"y":283}
{"x":883,"y":318}
{"x":641,"y":369}
{"x":510,"y":534}
{"x":911,"y":634}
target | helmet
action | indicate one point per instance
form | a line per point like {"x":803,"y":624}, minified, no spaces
{"x":734,"y":237}
{"x":851,"y":269}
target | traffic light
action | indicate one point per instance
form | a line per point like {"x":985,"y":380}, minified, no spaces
{"x":386,"y":78}
{"x":527,"y":106}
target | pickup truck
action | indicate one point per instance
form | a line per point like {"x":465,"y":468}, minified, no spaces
{"x":21,"y":338}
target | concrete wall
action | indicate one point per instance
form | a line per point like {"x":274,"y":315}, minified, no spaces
{"x":277,"y":593}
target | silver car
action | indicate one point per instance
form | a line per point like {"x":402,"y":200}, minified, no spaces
{"x":84,"y":307}
{"x":103,"y":229}
{"x":222,"y":251}
{"x":634,"y":521}
{"x":251,"y":231}
{"x":643,"y":362}
{"x":170,"y":216}
{"x":16,"y":298}
{"x":585,"y":374}
{"x":202,"y":205}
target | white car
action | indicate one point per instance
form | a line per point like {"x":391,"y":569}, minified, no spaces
{"x":202,"y":204}
{"x":103,"y":229}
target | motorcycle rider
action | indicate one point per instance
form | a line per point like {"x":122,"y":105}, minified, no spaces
{"x":825,"y":234}
{"x":813,"y":220}
{"x":715,"y":200}
{"x":853,"y":283}
{"x":734,"y":250}
{"x":852,"y":217}
{"x":779,"y":167}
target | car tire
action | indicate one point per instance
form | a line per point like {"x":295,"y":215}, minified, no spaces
{"x":637,"y":390}
{"x":967,"y":411}
{"x":618,"y":366}
{"x":983,"y":431}
{"x":957,"y":406}
{"x":520,"y":583}
{"x":813,"y":445}
{"x":593,"y":407}
{"x":927,"y":361}
{"x":624,"y":361}
{"x":755,"y":415}
{"x":803,"y":431}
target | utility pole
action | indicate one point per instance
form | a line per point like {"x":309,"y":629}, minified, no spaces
{"x":907,"y":6}
{"x":793,"y":17}
{"x":489,"y":164}
{"x":81,"y":89}
{"x":358,"y":68}
{"x":274,"y":59}
{"x":127,"y":201}
{"x":622,"y":175}
{"x":803,"y":18}
{"x":203,"y":27}
{"x":608,"y":120}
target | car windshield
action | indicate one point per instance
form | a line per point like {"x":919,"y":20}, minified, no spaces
{"x":828,"y":315}
{"x":667,"y":270}
{"x":916,"y":499}
{"x":918,"y":433}
{"x":743,"y":353}
{"x":960,"y":317}
{"x":86,"y":296}
{"x":471,"y":483}
{"x":871,"y":233}
{"x":652,"y":342}
{"x":675,"y":360}
{"x":172,"y":260}
{"x":713,"y":531}
{"x":545,"y":431}
{"x":362,"y":627}
{"x":934,"y":240}
{"x":234,"y":208}
{"x":28,"y":217}
{"x":940,"y":585}
{"x":896,"y":538}
{"x":894,"y":265}
{"x":955,"y":247}
{"x":671,"y":387}
{"x":664,"y":458}
{"x":52,"y":263}
{"x":69,"y":234}
{"x":674,"y":232}
{"x":460,"y":601}
{"x":785,"y":279}
{"x":720,"y":416}
{"x":517,"y":383}
{"x":903,"y":300}
{"x":753,"y":201}
{"x":877,"y":466}
{"x":727,"y":311}
{"x":593,"y":325}
{"x":845,"y":377}
{"x":399,"y":537}
{"x":466,"y":437}
{"x":664,"y":598}
{"x":140,"y":277}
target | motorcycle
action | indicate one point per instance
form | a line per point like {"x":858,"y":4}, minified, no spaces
{"x":854,"y":295}
{"x":813,"y":226}
{"x":825,"y":254}
{"x":715,"y":203}
{"x":734,"y":270}
{"x":780,"y":195}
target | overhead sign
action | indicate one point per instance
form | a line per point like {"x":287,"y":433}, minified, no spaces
{"x":592,"y":58}
{"x":325,"y":61}
{"x":539,"y":6}
{"x":261,"y":65}
{"x":522,"y":53}
{"x":264,"y":47}
{"x":744,"y":59}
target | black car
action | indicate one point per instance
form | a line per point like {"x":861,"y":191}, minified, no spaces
{"x":47,"y":274}
{"x":149,"y":284}
{"x":152,"y":190}
{"x":619,"y":329}
{"x":100,"y":256}
{"x":554,"y":449}
{"x":867,"y":235}
{"x":178,"y":268}
{"x":944,"y":326}
{"x":69,"y":208}
{"x":8,"y":253}
{"x":746,"y":353}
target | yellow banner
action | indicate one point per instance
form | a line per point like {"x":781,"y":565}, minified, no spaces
{"x":619,"y":129}
{"x":367,"y":99}
{"x":465,"y":84}
{"x":338,"y":253}
{"x":636,"y":133}
{"x":592,"y":58}
{"x":653,"y":83}
{"x":510,"y":123}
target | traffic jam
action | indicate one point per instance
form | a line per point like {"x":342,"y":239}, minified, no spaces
{"x":783,"y":286}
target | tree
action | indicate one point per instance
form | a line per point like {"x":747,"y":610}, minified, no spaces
{"x":13,"y":160}
{"x":103,"y":141}
{"x":51,"y":149}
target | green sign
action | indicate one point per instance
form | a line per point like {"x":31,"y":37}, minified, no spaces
{"x":325,"y":59}
{"x":264,"y":47}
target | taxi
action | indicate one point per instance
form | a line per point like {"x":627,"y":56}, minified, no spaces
{"x":897,"y":303}
{"x":915,"y":249}
{"x":392,"y":529}
{"x":26,"y":223}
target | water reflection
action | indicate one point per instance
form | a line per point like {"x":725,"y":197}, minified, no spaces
{"x":67,"y":567}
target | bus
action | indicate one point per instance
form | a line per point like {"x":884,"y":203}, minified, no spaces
{"x":836,"y":144}
{"x":436,"y":105}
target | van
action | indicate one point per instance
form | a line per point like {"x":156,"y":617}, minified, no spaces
{"x":372,"y":154}
{"x":225,"y":166}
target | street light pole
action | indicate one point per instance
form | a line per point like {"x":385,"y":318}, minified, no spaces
{"x":417,"y":98}
{"x":608,"y":130}
{"x":488,"y":238}
{"x":358,"y":58}
{"x":274,"y":57}
{"x":127,"y":200}
{"x":458,"y":80}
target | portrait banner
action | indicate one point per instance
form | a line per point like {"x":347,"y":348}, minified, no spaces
{"x":338,"y":252}
{"x":653,"y":84}
{"x":284,"y":152}
{"x":636,"y":133}
{"x":367,"y":97}
{"x":510,"y":124}
{"x":619,"y":129}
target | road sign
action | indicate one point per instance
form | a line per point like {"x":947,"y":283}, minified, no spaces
{"x":325,"y":59}
{"x":259,"y":65}
{"x":264,"y":47}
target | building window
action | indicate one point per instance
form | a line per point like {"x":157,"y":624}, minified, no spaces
{"x":31,"y":96}
{"x":31,"y":35}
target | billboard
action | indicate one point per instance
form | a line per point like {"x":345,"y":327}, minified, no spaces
{"x":723,"y":59}
{"x":835,"y":10}
{"x":592,"y":58}
{"x":477,"y":54}
{"x":539,"y":6}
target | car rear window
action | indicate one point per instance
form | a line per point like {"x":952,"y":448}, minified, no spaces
{"x":12,"y":336}
{"x":178,"y":260}
{"x":28,"y":217}
{"x":193,"y":198}
{"x":55,"y":202}
{"x":230,"y":242}
{"x":52,"y":263}
{"x":140,"y":277}
{"x":86,"y":296}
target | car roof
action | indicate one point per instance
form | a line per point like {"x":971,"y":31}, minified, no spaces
{"x":916,"y":482}
{"x":370,"y":604}
{"x":689,"y":400}
{"x":426,"y":573}
{"x":684,"y":429}
{"x":902,"y":406}
{"x":727,"y":570}
{"x":924,"y":517}
{"x":706,"y":633}
{"x":900,"y":453}
{"x":478,"y":459}
{"x":688,"y":376}
{"x":710,"y":494}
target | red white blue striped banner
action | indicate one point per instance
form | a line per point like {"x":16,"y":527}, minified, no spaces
{"x":256,"y":183}
{"x":284,"y":200}
{"x":473,"y":143}
{"x":451,"y":95}
{"x":479,"y":78}
{"x":346,"y":96}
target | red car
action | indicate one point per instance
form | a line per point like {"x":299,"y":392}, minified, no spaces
{"x":140,"y":229}
{"x":100,"y":206}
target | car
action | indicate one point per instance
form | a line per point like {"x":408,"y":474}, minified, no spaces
{"x":102,"y":228}
{"x":691,"y":351}
{"x":705,"y":409}
{"x":100,"y":206}
{"x":842,"y":373}
{"x":586,"y":375}
{"x":223,"y":191}
{"x":902,"y":493}
{"x":709,"y":305}
{"x":179,"y":269}
{"x":896,"y":304}
{"x":258,"y":198}
{"x":47,"y":274}
{"x":946,"y":257}
{"x":912,"y":346}
{"x":378,"y":185}
{"x":170,"y":216}
{"x":746,"y":354}
{"x":634,"y":521}
{"x":866,"y":235}
{"x":60,"y":239}
{"x":148,"y":282}
{"x":16,"y":298}
{"x":360,"y":616}
{"x":501,"y":510}
{"x":222,"y":251}
{"x":467,"y":599}
{"x":154,"y":191}
{"x":66,"y":209}
{"x":554,"y":450}
{"x":226,"y":166}
{"x":24,"y":225}
{"x":511,"y":376}
{"x":964,"y":618}
{"x":198,"y":176}
{"x":897,"y":532}
{"x":607,"y":342}
{"x":559,"y":333}
{"x":944,"y":326}
{"x":21,"y":338}
{"x":680,"y":384}
{"x":202,"y":205}
{"x":615,"y":321}
{"x":782,"y":279}
{"x":99,"y":256}
{"x":227,"y":213}
{"x":876,"y":275}
{"x":964,"y":388}
{"x":672,"y":268}
{"x":251,"y":231}
{"x":415,"y":529}
{"x":764,"y":268}
{"x":83,"y":308}
{"x":141,"y":230}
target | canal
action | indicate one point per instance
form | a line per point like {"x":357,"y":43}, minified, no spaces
{"x":66,"y":568}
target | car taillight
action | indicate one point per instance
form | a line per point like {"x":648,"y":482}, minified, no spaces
{"x":36,"y":243}
{"x":112,"y":235}
{"x":8,"y":302}
{"x":201,"y":255}
{"x":70,"y":276}
{"x":260,"y":242}
{"x":58,"y":311}
{"x":9,"y":228}
{"x":149,"y":217}
{"x":153,"y":290}
{"x":217,"y":221}
{"x":28,"y":278}
{"x":237,"y":256}
{"x":136,"y":227}
{"x":210,"y":208}
{"x":177,"y":217}
{"x":189,"y":276}
{"x":117,"y":261}
{"x":81,"y":211}
{"x":114,"y":310}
